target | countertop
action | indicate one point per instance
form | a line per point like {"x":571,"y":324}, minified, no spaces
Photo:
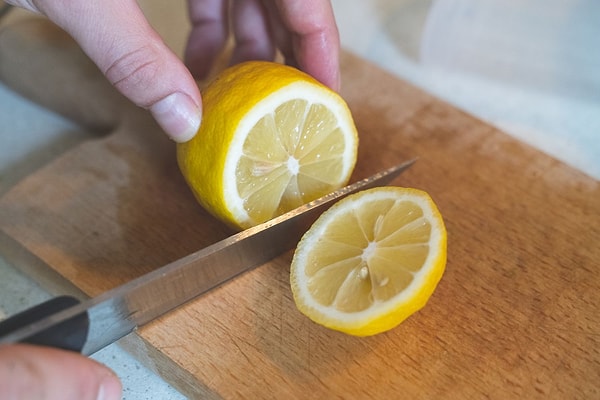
{"x":532,"y":71}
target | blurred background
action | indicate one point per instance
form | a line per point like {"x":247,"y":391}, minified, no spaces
{"x":528,"y":67}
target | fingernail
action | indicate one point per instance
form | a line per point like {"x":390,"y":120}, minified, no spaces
{"x":110,"y":389}
{"x":178,"y":116}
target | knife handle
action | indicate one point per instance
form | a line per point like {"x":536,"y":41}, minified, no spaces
{"x":69,"y":335}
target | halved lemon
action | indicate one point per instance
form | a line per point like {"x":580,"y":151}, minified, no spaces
{"x":272,"y":138}
{"x":370,"y":261}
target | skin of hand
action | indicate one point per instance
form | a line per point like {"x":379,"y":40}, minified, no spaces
{"x":33,"y":372}
{"x":118,"y":38}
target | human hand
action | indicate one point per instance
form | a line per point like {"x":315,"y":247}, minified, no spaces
{"x":35,"y":372}
{"x":118,"y":38}
{"x":304,"y":31}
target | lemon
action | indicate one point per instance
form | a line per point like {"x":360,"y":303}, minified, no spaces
{"x":272,"y":138}
{"x":370,"y":261}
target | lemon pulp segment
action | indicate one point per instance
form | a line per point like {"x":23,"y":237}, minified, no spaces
{"x":374,"y":266}
{"x":290,"y":157}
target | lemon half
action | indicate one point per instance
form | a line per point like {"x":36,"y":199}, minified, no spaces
{"x":272,"y":138}
{"x":370,"y":261}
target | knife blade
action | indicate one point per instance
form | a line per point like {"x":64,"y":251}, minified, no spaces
{"x":88,"y":326}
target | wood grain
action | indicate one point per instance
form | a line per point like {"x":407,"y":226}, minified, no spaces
{"x":515,"y":315}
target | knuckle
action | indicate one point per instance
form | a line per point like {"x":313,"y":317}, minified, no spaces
{"x":135,"y":70}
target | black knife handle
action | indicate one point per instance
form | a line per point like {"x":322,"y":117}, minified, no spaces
{"x":69,"y":335}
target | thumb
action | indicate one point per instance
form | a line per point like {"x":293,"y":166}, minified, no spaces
{"x":35,"y":372}
{"x":118,"y":38}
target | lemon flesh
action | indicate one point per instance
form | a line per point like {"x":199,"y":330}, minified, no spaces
{"x":272,"y":138}
{"x":370,"y":261}
{"x":290,"y":157}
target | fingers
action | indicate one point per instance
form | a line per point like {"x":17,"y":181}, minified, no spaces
{"x":314,"y":38}
{"x":208,"y":36}
{"x":303,"y":30}
{"x":33,"y":372}
{"x":251,"y":31}
{"x":117,"y":37}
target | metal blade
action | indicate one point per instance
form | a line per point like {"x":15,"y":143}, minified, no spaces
{"x":119,"y":311}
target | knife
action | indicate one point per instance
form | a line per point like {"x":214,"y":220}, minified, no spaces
{"x":88,"y":326}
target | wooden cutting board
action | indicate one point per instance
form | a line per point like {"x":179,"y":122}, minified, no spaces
{"x":515,"y":315}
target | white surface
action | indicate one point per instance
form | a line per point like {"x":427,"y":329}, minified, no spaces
{"x":529,"y":67}
{"x":564,"y":123}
